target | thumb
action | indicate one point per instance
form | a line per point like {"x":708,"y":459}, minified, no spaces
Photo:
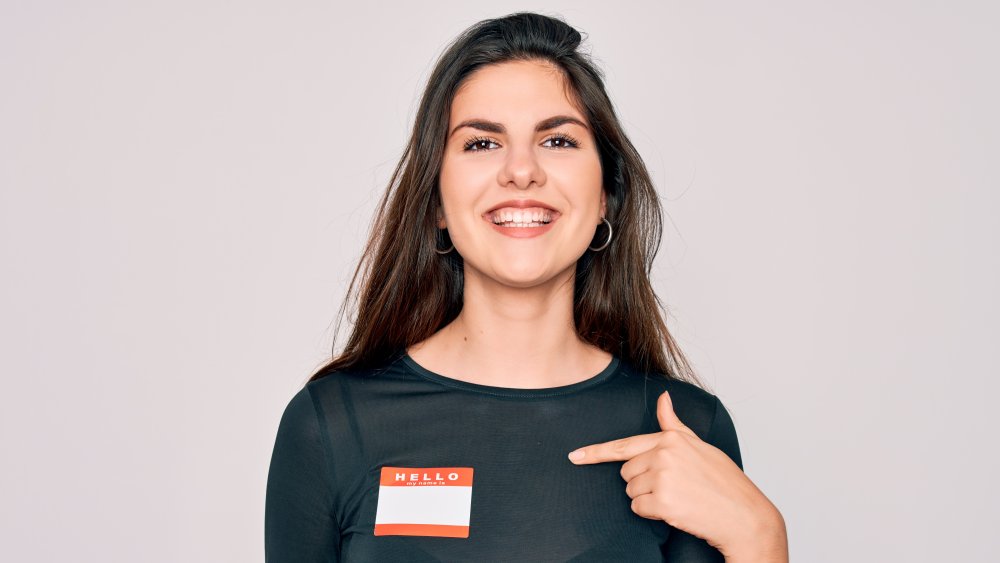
{"x":667,"y":417}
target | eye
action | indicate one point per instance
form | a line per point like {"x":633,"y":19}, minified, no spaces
{"x":564,"y":140}
{"x":477,"y":142}
{"x":482,"y":144}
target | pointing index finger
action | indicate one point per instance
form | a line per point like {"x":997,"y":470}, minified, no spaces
{"x":616,"y":450}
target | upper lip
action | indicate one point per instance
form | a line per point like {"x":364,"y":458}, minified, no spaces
{"x":521,"y":204}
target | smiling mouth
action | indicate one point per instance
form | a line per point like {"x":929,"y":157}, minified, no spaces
{"x":521,"y":218}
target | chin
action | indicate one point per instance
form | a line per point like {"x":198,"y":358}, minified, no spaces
{"x":521,"y":283}
{"x":521,"y":271}
{"x":531,"y":276}
{"x":496,"y":271}
{"x":526,"y":276}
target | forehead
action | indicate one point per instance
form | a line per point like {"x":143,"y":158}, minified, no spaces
{"x":515,"y":90}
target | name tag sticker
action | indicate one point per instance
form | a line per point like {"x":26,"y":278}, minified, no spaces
{"x":424,"y":501}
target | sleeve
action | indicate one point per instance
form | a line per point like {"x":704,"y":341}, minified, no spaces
{"x":722,"y":433}
{"x":683,"y":547}
{"x":299,"y":518}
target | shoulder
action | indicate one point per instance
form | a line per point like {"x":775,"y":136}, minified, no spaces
{"x":334,"y":383}
{"x":695,"y":406}
{"x":700,"y":410}
{"x":337,"y":398}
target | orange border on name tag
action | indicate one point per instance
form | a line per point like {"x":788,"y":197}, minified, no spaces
{"x":438,"y":530}
{"x":427,"y":476}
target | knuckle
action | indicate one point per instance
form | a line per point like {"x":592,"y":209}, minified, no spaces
{"x":618,"y":446}
{"x":643,"y":505}
{"x":637,"y":506}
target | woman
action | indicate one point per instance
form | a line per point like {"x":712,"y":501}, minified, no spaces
{"x":506,"y":319}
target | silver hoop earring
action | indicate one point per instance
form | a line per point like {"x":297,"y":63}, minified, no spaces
{"x":607,"y":242}
{"x":444,"y":251}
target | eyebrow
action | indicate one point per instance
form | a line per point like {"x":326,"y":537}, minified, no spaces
{"x":494,"y":127}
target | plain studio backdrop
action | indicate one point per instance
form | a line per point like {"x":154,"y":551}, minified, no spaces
{"x":186,"y":187}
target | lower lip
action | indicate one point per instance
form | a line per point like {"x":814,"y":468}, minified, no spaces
{"x":523,"y":232}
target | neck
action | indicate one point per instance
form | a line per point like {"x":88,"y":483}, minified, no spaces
{"x":513,"y":337}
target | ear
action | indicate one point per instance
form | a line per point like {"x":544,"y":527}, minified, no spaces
{"x":604,"y":203}
{"x":441,"y":223}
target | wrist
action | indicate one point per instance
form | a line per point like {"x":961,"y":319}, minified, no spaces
{"x":766,"y":541}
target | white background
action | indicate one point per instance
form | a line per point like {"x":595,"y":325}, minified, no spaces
{"x":185,"y":187}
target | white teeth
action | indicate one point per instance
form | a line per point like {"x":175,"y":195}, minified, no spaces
{"x":522,"y":224}
{"x":526,"y":217}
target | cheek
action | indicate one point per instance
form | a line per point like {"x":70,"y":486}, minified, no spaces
{"x":457,"y":167}
{"x":458,"y":189}
{"x":461,"y":184}
{"x":450,"y":178}
{"x":582,"y":182}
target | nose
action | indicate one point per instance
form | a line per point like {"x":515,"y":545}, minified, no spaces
{"x":521,"y":168}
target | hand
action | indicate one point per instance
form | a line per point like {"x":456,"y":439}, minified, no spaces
{"x":691,"y":485}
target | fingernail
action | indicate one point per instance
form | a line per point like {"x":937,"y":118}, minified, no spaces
{"x":576,"y":455}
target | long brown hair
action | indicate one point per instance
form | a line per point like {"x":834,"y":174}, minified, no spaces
{"x":408,"y":291}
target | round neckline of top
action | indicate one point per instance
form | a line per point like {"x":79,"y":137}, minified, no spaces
{"x":525,"y":392}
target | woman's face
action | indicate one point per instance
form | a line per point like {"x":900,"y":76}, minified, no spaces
{"x":514,"y":135}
